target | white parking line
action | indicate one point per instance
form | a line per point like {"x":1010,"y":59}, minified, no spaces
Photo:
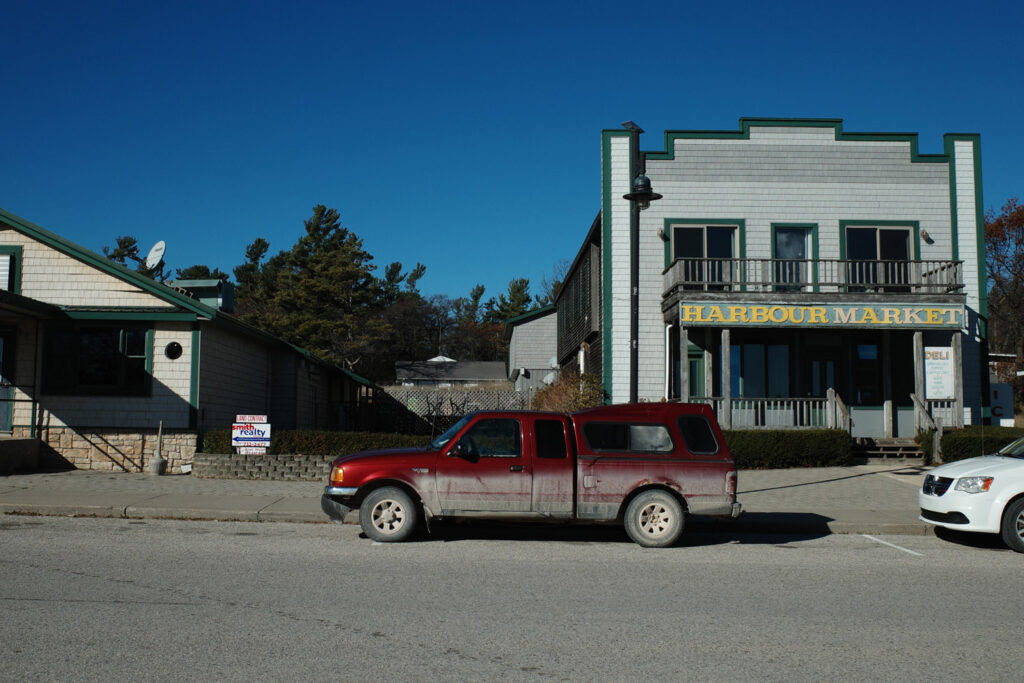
{"x":891,"y":545}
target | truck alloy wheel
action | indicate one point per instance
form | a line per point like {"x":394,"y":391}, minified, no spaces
{"x":388,"y":515}
{"x":655,"y":519}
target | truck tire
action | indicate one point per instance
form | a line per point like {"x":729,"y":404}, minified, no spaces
{"x":655,"y":519}
{"x":1013,"y":525}
{"x":388,"y":515}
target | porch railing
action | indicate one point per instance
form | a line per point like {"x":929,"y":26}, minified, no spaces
{"x":779,"y":413}
{"x":821,"y":275}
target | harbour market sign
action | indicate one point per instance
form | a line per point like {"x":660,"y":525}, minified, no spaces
{"x":933,"y":316}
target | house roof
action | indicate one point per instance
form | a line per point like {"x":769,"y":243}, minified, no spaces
{"x":467,"y":371}
{"x":188,"y":307}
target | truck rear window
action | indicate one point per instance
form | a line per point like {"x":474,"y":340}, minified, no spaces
{"x":698,"y":435}
{"x":625,"y":437}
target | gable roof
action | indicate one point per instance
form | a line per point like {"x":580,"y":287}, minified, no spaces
{"x":465,"y":371}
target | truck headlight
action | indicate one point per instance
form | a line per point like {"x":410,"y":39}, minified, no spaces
{"x":973,"y":484}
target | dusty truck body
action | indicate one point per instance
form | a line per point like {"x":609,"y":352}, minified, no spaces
{"x":645,"y":465}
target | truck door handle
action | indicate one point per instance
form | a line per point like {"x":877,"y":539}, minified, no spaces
{"x":515,"y":468}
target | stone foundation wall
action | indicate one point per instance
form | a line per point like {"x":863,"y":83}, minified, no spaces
{"x":117,"y":450}
{"x":274,"y":467}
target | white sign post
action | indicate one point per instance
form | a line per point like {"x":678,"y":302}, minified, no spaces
{"x":938,"y":373}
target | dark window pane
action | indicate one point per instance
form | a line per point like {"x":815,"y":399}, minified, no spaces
{"x":99,"y":356}
{"x":550,"y":438}
{"x":698,"y":435}
{"x":861,"y":244}
{"x":135,"y":341}
{"x":496,"y":438}
{"x":603,"y":436}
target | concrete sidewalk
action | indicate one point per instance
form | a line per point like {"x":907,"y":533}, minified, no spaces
{"x":867,"y":499}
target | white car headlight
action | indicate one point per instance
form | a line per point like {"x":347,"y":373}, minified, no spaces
{"x":973,"y":484}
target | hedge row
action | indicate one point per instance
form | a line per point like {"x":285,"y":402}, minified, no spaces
{"x":976,"y":440}
{"x":309,"y":442}
{"x":785,"y":448}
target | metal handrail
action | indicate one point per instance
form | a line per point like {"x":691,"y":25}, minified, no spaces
{"x":817,"y":275}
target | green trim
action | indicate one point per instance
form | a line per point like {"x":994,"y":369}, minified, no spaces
{"x":835,"y":124}
{"x":950,"y":140}
{"x":130,"y":315}
{"x":813,"y":227}
{"x":14,"y":251}
{"x":606,"y":255}
{"x":193,"y":385}
{"x":915,"y":227}
{"x":104,"y":264}
{"x":149,"y":353}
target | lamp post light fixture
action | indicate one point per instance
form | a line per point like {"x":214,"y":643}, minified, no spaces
{"x":639,"y":200}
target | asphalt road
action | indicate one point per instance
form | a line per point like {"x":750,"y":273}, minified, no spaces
{"x":114,"y":599}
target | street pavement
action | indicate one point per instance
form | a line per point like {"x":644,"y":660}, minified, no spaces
{"x":861,"y":499}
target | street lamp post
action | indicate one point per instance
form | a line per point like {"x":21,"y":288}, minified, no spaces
{"x":639,"y":199}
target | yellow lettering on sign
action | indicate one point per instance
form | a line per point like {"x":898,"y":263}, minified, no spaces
{"x":715,"y":314}
{"x":778,"y":314}
{"x":954,"y":316}
{"x":870,"y":317}
{"x":846,"y":317}
{"x":891,"y":316}
{"x":737,"y":314}
{"x":690,"y":313}
{"x":759,"y":314}
{"x":933,"y":316}
{"x":910,"y":316}
{"x":818,"y":315}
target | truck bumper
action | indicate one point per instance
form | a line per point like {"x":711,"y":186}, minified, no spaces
{"x":335,"y":509}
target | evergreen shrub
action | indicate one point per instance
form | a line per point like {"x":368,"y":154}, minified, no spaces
{"x":976,"y":440}
{"x":311,"y":442}
{"x":757,"y":449}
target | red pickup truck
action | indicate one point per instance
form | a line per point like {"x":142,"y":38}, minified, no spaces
{"x":645,"y":465}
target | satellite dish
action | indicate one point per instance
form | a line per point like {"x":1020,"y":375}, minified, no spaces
{"x":156,"y":255}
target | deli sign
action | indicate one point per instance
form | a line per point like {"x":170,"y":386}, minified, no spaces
{"x":836,"y":315}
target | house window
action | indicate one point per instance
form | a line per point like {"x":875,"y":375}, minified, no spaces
{"x":879,"y":259}
{"x":10,"y":268}
{"x":97,"y":360}
{"x":706,"y":252}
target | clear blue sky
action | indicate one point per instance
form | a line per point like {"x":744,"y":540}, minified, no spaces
{"x":463,"y":135}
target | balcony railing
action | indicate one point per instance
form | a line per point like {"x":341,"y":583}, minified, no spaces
{"x":822,"y":275}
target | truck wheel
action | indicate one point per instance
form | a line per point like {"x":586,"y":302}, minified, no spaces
{"x":388,"y":515}
{"x":1013,"y":525}
{"x":655,"y":519}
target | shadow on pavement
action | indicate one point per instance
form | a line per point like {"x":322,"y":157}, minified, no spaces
{"x":971,"y":540}
{"x":751,"y":528}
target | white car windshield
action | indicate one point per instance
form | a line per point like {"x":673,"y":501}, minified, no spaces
{"x":1014,"y":450}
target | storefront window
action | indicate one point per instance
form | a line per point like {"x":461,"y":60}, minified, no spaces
{"x":759,"y":370}
{"x":867,"y":375}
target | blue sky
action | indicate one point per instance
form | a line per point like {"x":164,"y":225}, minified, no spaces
{"x":463,"y":135}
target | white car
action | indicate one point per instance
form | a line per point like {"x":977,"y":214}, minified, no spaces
{"x":984,"y":494}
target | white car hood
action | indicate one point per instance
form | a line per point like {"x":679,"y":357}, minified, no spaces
{"x":984,"y":465}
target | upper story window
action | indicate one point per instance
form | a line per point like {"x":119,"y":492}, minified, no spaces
{"x":96,"y":360}
{"x":707,"y":252}
{"x":879,"y":256}
{"x":791,"y":249}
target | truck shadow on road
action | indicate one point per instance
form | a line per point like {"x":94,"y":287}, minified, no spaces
{"x":751,"y":528}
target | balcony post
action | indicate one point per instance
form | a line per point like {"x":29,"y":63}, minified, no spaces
{"x":684,"y":363}
{"x":919,"y":374}
{"x":726,"y":417}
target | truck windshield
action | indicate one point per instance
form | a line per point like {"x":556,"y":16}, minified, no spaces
{"x":439,"y":442}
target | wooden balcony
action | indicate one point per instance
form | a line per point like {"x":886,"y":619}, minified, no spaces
{"x":835,"y":276}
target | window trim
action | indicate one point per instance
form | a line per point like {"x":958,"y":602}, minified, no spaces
{"x":14,"y":277}
{"x":913,"y":226}
{"x":813,"y":257}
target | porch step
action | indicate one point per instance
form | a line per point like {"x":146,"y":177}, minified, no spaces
{"x":879,"y":451}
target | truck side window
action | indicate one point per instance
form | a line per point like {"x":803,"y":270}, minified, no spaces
{"x":628,"y":438}
{"x":550,"y":438}
{"x":493,"y":438}
{"x":697,"y":435}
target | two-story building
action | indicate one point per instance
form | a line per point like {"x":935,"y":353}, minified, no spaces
{"x":792,"y":274}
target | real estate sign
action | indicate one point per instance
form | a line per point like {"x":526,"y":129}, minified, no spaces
{"x":250,"y":434}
